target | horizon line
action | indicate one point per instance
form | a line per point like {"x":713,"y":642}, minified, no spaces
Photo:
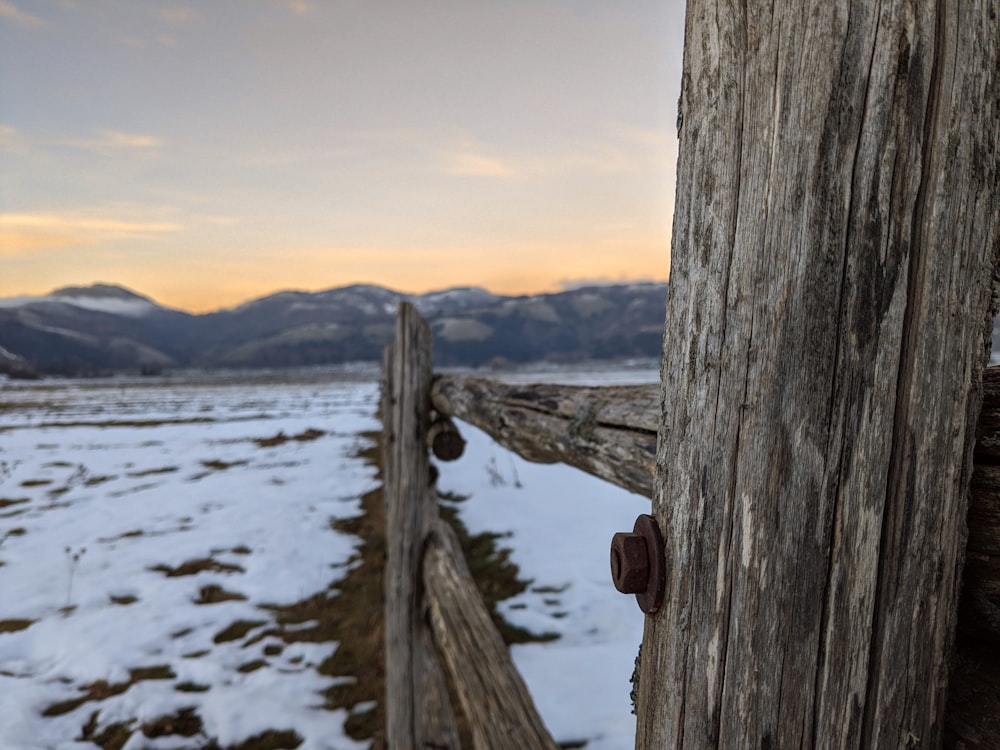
{"x":567,"y":286}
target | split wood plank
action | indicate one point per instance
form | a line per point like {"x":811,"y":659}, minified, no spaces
{"x":496,"y":704}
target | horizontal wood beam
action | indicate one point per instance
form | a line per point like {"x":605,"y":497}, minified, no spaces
{"x":494,"y":699}
{"x":607,"y":431}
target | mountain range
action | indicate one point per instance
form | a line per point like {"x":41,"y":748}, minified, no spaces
{"x":103,"y":329}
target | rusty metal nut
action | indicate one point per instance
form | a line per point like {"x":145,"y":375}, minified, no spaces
{"x":638,"y":564}
{"x":629,"y":563}
{"x":444,"y":439}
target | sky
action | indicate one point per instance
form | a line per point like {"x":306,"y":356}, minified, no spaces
{"x":208,"y":153}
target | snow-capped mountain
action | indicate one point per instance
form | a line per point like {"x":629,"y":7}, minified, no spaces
{"x":107,"y":328}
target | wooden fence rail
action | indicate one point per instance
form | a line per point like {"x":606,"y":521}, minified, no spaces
{"x":432,"y":607}
{"x":607,"y":431}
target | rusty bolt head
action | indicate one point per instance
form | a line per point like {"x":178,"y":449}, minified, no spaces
{"x":629,"y":563}
{"x":638,"y":564}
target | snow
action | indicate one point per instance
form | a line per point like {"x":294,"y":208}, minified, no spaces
{"x":121,"y":476}
{"x":132,"y":308}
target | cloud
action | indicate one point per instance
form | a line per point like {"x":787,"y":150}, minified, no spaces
{"x":9,"y":137}
{"x":652,"y":138}
{"x":629,"y":151}
{"x":298,"y":7}
{"x":220,"y":221}
{"x":165,"y":21}
{"x":11,"y":12}
{"x":103,"y":142}
{"x":178,"y":14}
{"x":470,"y":164}
{"x":109,"y":141}
{"x":23,"y":233}
{"x":128,"y":140}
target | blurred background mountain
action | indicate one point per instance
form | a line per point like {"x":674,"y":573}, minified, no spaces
{"x":103,"y":329}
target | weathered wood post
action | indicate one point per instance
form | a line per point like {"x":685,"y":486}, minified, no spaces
{"x":834,"y":244}
{"x":418,"y":713}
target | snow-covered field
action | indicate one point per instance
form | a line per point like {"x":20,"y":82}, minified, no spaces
{"x":149,"y":527}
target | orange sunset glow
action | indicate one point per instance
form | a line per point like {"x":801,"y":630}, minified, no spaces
{"x":206,"y":154}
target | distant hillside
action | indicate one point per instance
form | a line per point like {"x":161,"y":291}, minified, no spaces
{"x":103,"y":329}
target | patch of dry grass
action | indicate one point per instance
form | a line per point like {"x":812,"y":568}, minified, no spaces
{"x":217,"y":465}
{"x":237,"y":630}
{"x":193,"y":567}
{"x":102,"y":690}
{"x":14,"y":625}
{"x":213,"y":594}
{"x":281,"y":438}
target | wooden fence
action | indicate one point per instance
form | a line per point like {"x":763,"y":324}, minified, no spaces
{"x":435,"y":616}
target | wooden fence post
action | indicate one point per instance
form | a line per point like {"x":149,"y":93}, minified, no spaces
{"x":418,"y":713}
{"x":835,"y":239}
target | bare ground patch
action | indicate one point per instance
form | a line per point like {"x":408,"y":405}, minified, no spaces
{"x":193,"y":567}
{"x":14,"y":625}
{"x":213,"y":594}
{"x":102,"y":690}
{"x":152,"y":472}
{"x":281,"y":438}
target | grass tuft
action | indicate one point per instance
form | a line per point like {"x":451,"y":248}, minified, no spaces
{"x":15,"y":625}
{"x":213,"y":594}
{"x":217,"y":465}
{"x":112,"y":737}
{"x":270,"y":740}
{"x":193,"y":567}
{"x":237,"y":630}
{"x":185,"y":723}
{"x":190,"y":687}
{"x":102,"y":690}
{"x":281,"y":438}
{"x":152,"y":472}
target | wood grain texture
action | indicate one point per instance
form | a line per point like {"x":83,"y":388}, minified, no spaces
{"x":834,"y":243}
{"x":607,"y":431}
{"x":417,"y":709}
{"x":494,"y":699}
